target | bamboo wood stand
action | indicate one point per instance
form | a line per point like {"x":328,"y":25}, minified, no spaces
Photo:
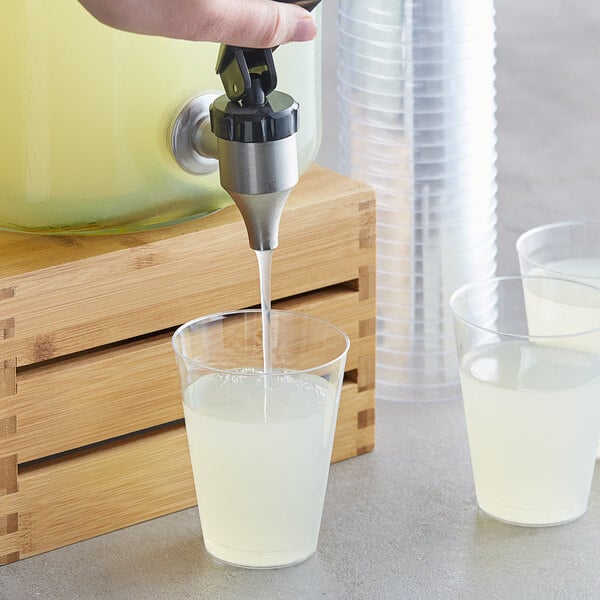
{"x":91,"y":431}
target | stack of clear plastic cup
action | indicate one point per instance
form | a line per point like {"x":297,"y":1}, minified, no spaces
{"x":417,"y":122}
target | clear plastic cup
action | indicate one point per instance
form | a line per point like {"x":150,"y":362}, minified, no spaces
{"x":570,"y":250}
{"x":260,"y":443}
{"x":530,"y":392}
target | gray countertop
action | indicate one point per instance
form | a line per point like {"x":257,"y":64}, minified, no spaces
{"x":400,"y":522}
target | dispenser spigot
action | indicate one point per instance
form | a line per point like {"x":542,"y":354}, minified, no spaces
{"x":255,"y":128}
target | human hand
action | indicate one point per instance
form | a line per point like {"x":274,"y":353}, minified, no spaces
{"x":248,"y":23}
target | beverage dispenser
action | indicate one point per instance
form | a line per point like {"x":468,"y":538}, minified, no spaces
{"x":88,"y":116}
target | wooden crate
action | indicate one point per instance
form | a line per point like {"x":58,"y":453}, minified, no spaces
{"x":91,"y":430}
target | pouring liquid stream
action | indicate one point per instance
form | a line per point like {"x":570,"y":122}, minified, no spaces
{"x":265,"y":258}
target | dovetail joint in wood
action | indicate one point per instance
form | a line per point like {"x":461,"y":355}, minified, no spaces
{"x":366,"y":282}
{"x":8,"y":427}
{"x":8,"y":475}
{"x":7,"y":328}
{"x":365,"y":418}
{"x":8,"y":377}
{"x":367,"y":327}
{"x":365,"y":449}
{"x":6,"y":293}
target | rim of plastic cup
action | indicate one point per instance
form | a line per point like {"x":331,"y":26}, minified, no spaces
{"x":427,"y":284}
{"x":378,"y":46}
{"x":553,"y":226}
{"x":486,"y":249}
{"x":466,"y":73}
{"x":438,"y":230}
{"x":432,"y":216}
{"x":451,"y":355}
{"x":486,"y":259}
{"x":441,"y":307}
{"x":379,"y":117}
{"x":468,"y":140}
{"x":441,"y":36}
{"x":423,"y":373}
{"x":398,"y":80}
{"x":471,"y":107}
{"x":468,"y":50}
{"x":466,"y":84}
{"x":469,"y":22}
{"x":352,"y":141}
{"x":424,"y":206}
{"x":483,"y":245}
{"x":447,"y":127}
{"x":427,"y":216}
{"x":385,"y":183}
{"x":390,"y":183}
{"x":412,"y":338}
{"x":389,"y":55}
{"x":430,"y":278}
{"x":516,"y":336}
{"x":220,"y":315}
{"x":465,"y":196}
{"x":377,"y":163}
{"x":422,"y":354}
{"x":376,"y":103}
{"x":480,"y":188}
{"x":403,"y":322}
{"x":458,"y":85}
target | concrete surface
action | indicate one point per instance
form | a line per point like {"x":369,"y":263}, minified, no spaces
{"x":402,"y":521}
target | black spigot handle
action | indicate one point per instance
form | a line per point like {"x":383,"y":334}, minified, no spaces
{"x":248,"y":74}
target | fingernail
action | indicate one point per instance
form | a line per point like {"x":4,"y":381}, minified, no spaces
{"x":306,"y":29}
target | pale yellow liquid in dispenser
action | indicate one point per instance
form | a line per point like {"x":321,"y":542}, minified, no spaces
{"x":85,"y":119}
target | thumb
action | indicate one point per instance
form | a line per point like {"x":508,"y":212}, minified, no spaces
{"x":259,"y":23}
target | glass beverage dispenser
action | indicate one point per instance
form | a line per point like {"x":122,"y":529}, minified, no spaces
{"x":86,"y":118}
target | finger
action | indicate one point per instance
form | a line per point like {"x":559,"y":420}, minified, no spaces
{"x":251,"y":23}
{"x":257,"y":23}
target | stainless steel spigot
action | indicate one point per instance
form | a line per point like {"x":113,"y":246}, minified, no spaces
{"x":255,"y":128}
